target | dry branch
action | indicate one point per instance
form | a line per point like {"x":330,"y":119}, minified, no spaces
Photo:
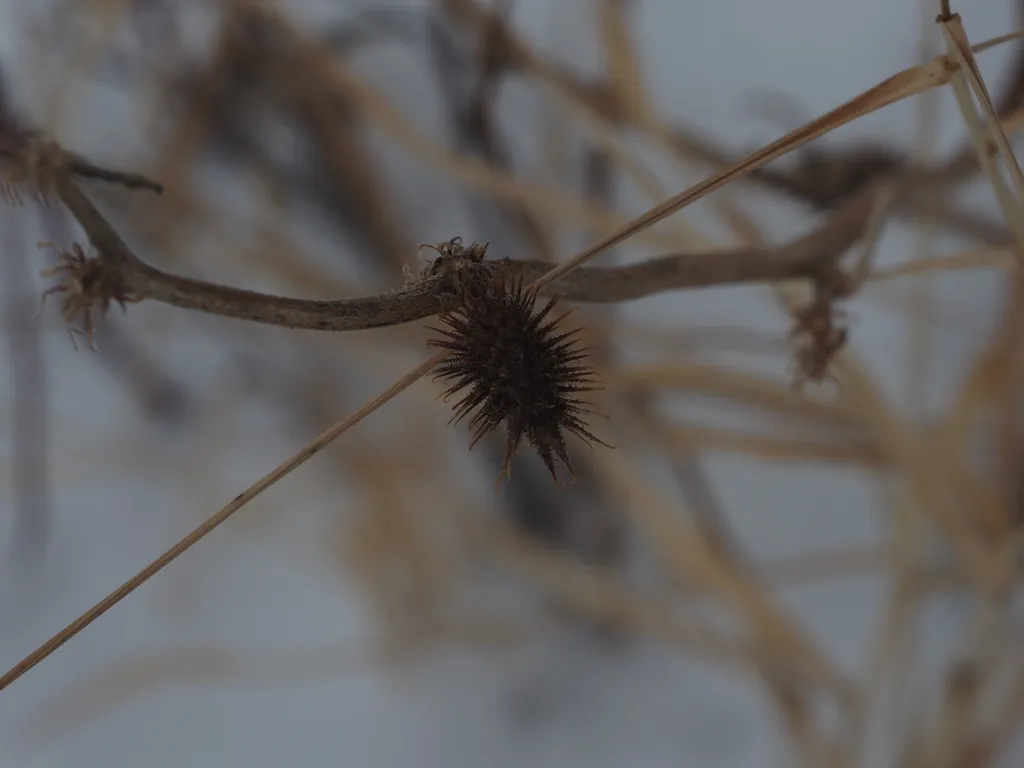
{"x":125,"y":277}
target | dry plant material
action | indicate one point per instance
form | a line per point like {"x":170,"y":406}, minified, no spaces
{"x":518,"y":368}
{"x":211,"y":523}
{"x":86,"y":290}
{"x":819,"y":334}
{"x":117,"y":267}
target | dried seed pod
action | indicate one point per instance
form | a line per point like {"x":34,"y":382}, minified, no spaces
{"x":517,"y":368}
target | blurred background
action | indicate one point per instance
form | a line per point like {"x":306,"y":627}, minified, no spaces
{"x":754,"y":576}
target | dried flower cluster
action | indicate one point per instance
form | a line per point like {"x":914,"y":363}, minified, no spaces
{"x":86,"y":287}
{"x":517,"y":367}
{"x":462,"y":269}
{"x":821,"y":329}
{"x":819,"y":334}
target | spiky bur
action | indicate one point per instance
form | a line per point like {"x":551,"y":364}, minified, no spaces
{"x":514,"y":365}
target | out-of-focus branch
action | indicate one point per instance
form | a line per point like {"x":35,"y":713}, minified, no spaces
{"x":27,"y":369}
{"x":822,"y":179}
{"x":27,"y":366}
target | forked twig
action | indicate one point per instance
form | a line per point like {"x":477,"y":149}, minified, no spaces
{"x":809,"y":257}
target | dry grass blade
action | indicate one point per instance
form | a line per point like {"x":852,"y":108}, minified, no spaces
{"x":910,"y":450}
{"x":772,"y":448}
{"x":543,"y":201}
{"x":985,"y":257}
{"x":960,"y":49}
{"x":597,"y":595}
{"x":691,"y":559}
{"x":1009,"y":206}
{"x":801,"y":570}
{"x":134,"y":677}
{"x":736,"y":386}
{"x":1010,"y":438}
{"x":907,"y":83}
{"x":211,"y":523}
